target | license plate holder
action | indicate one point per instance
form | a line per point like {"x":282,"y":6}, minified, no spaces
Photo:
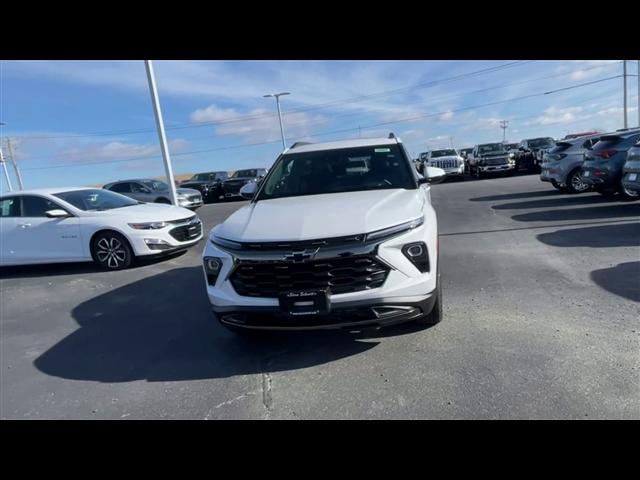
{"x":586,"y":173}
{"x":632,"y":177}
{"x":305,"y":302}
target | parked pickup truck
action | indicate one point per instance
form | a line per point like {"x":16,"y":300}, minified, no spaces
{"x":490,"y":158}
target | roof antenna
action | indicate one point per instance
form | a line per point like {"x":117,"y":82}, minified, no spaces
{"x":391,"y":135}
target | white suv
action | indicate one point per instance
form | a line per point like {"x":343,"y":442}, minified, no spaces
{"x":337,"y":235}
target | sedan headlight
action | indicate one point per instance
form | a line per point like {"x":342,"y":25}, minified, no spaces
{"x":149,"y":225}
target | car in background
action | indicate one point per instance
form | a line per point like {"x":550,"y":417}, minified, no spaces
{"x":530,"y":152}
{"x":571,"y":136}
{"x":209,"y":184}
{"x":354,"y":250}
{"x":562,"y":165}
{"x":239,"y":179}
{"x":155,"y":191}
{"x":604,"y":162}
{"x":83,"y":224}
{"x":448,"y":160}
{"x":464,"y":153}
{"x":631,"y":170}
{"x":488,"y":158}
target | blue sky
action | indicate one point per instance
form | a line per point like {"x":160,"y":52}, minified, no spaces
{"x":214,"y":110}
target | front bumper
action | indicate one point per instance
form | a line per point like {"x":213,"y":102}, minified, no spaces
{"x":374,"y":313}
{"x":161,"y":241}
{"x":406,"y":293}
{"x":496,"y":168}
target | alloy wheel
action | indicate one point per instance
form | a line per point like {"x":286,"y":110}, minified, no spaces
{"x":111,"y":252}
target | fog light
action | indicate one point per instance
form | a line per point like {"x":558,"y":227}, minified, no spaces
{"x":417,"y":254}
{"x":157,"y":244}
{"x":212,"y":266}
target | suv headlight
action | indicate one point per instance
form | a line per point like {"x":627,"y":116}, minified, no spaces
{"x":148,"y":225}
{"x":401,"y":228}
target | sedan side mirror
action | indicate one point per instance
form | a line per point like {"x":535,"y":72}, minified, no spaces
{"x":248,"y":190}
{"x":57,"y":213}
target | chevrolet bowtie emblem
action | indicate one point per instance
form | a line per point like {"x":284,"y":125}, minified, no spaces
{"x":301,"y":256}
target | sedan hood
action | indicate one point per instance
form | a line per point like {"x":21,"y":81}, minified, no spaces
{"x":145,"y":212}
{"x":322,"y":216}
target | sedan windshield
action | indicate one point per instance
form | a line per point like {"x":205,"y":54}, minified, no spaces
{"x":443,"y":153}
{"x":334,"y":171}
{"x":95,"y":199}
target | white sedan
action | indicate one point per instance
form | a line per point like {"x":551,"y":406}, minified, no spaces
{"x":83,"y":224}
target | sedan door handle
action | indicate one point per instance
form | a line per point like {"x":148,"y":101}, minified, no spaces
{"x":24,"y":225}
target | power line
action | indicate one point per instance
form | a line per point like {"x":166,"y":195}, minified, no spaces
{"x":75,"y":164}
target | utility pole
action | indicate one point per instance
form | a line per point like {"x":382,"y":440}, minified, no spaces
{"x":161,"y":134}
{"x":6,"y":173}
{"x":15,"y":165}
{"x":624,"y":87}
{"x":277,"y":97}
{"x":451,"y":142}
{"x":503,"y":125}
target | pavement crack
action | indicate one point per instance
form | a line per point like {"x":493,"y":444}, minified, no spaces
{"x":267,"y":399}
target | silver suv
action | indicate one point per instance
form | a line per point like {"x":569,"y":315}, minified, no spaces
{"x":155,"y":191}
{"x":561,"y":165}
{"x":631,"y":171}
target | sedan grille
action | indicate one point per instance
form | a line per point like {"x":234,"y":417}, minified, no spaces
{"x":338,"y":275}
{"x":187,"y":232}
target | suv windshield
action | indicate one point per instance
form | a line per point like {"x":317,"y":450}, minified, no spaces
{"x":443,"y":153}
{"x":95,"y":199}
{"x":490,"y":147}
{"x":245,"y":173}
{"x":541,"y":142}
{"x":156,"y":185}
{"x":335,"y":171}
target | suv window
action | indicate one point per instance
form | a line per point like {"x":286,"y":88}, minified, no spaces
{"x":33,"y":206}
{"x":10,"y":207}
{"x":124,"y":187}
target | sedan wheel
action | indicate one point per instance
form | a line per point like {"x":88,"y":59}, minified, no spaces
{"x":111,"y":251}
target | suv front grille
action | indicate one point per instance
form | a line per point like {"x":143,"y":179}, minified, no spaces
{"x":339,"y":275}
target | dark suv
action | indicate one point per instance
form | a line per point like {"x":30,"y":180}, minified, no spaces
{"x":209,"y":184}
{"x":239,"y":179}
{"x":530,"y":152}
{"x":631,"y":171}
{"x":604,"y":162}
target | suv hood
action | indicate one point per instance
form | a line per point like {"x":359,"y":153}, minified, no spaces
{"x":448,"y":157}
{"x":313,"y":217}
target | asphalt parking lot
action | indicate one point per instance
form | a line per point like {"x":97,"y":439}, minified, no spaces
{"x":541,"y":320}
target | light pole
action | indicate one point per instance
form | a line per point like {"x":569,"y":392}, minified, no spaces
{"x":4,"y":166}
{"x":151,"y":78}
{"x":277,"y":97}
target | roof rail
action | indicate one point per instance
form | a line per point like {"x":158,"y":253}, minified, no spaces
{"x":299,"y":144}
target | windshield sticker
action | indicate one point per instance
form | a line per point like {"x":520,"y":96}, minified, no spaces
{"x":382,"y":150}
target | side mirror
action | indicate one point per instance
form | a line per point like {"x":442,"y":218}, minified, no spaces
{"x":433,"y":175}
{"x":248,"y":190}
{"x":57,"y":213}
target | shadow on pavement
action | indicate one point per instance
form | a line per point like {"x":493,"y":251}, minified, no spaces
{"x":558,"y":201}
{"x":608,"y":211}
{"x":58,"y":269}
{"x":515,"y":196}
{"x":161,"y":328}
{"x":612,"y":235}
{"x":622,"y":280}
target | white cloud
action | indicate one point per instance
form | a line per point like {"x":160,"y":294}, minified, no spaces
{"x":263,"y":128}
{"x":99,"y":152}
{"x":555,"y":114}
